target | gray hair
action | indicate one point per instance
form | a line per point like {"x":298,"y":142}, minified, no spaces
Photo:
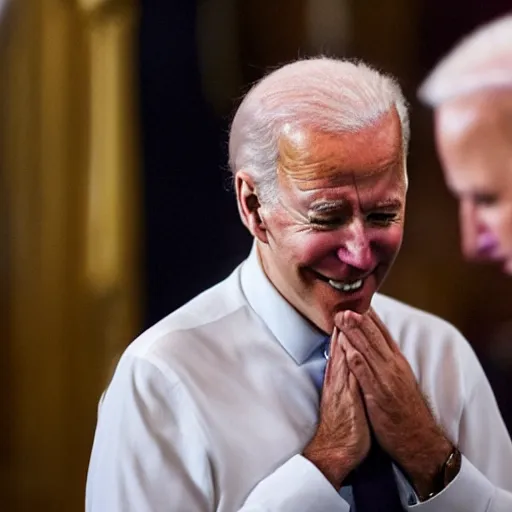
{"x":482,"y":60}
{"x":327,"y":94}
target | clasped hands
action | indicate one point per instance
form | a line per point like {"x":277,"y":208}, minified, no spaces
{"x":369,"y":385}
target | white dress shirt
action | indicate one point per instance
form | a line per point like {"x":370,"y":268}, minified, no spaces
{"x":211,"y":408}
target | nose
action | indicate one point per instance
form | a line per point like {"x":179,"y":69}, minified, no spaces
{"x":356,"y":249}
{"x":477,"y":240}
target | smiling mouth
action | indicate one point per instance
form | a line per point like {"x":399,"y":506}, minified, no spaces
{"x":343,"y":286}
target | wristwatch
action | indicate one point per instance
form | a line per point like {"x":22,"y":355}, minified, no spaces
{"x":451,"y":467}
{"x":448,"y":472}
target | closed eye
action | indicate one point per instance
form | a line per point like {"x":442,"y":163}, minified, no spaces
{"x":485,"y":199}
{"x":327,"y":222}
{"x":381,"y":218}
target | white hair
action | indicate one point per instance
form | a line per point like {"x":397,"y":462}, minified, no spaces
{"x":482,"y":60}
{"x":330,"y":95}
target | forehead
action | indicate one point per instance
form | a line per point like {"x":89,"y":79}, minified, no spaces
{"x":484,"y":117}
{"x":371,"y":159}
{"x":307,"y":155}
{"x":474,"y":138}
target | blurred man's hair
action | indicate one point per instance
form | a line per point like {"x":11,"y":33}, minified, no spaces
{"x":480,"y":61}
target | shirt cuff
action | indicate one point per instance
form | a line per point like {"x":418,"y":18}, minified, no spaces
{"x":469,"y":490}
{"x":296,"y":486}
{"x":405,"y":490}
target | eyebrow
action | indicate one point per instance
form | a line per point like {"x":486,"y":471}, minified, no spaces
{"x":327,"y":206}
{"x":330,"y":206}
{"x":392,"y":203}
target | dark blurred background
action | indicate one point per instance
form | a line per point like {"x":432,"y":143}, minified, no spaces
{"x":115,"y":198}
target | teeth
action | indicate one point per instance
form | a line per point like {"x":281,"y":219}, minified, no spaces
{"x":346,"y":287}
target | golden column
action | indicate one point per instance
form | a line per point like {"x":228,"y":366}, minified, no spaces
{"x":69,"y":271}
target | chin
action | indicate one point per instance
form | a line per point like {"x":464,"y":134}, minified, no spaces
{"x":332,"y":317}
{"x":333,"y":309}
{"x":360,"y":306}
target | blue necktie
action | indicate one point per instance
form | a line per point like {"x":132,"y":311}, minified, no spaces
{"x":373,"y":481}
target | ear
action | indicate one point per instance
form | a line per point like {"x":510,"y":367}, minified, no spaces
{"x":249,"y":206}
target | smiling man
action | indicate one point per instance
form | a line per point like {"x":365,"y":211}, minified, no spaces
{"x":337,"y":225}
{"x":293,"y":385}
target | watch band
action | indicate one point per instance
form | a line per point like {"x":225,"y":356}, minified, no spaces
{"x":452,"y":467}
{"x":446,"y":475}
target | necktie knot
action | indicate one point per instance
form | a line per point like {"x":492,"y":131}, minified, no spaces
{"x":317,"y":362}
{"x":326,"y":348}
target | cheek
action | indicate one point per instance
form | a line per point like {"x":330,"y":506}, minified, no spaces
{"x":388,"y":241}
{"x":307,"y":248}
{"x":310,"y":248}
{"x":292,"y":246}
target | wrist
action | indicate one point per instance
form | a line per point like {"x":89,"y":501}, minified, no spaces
{"x":431,"y":478}
{"x":334,"y":465}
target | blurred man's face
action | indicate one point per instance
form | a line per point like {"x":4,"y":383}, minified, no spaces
{"x":338,"y":224}
{"x":474,"y":141}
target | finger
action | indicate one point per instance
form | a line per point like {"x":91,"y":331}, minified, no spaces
{"x":336,"y":363}
{"x":331,"y":349}
{"x":353,"y":385}
{"x":357,"y":339}
{"x":351,"y":319}
{"x":358,"y":365}
{"x":374,"y":337}
{"x":365,"y":341}
{"x":379,"y":324}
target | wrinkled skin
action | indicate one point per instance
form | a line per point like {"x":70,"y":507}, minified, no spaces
{"x":339,"y":215}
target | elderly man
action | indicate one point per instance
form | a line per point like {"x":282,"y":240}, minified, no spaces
{"x":217,"y":406}
{"x":471,"y":91}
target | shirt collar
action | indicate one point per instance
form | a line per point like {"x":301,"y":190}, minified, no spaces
{"x":297,"y":336}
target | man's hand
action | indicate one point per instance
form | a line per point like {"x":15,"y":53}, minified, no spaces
{"x":342,"y":439}
{"x":398,"y":412}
